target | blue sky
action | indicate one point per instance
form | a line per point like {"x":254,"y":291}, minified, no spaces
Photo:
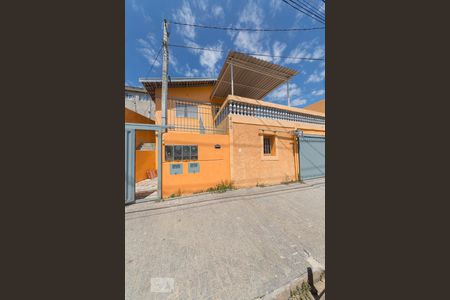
{"x":143,"y":35}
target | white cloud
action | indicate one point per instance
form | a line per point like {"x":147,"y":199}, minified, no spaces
{"x":252,"y":14}
{"x":306,"y":49}
{"x":139,"y":8}
{"x":319,"y":52}
{"x":192,"y":44}
{"x":255,"y":42}
{"x":144,"y":43}
{"x":318,"y":92}
{"x":280,"y":93}
{"x":209,"y":59}
{"x":201,"y":4}
{"x":316,"y":76}
{"x":322,"y":7}
{"x":173,"y":62}
{"x":129,"y":83}
{"x":275,"y":5}
{"x":298,"y":102}
{"x":191,"y":72}
{"x":147,"y":49}
{"x":217,"y":11}
{"x":278,"y":49}
{"x":185,"y":15}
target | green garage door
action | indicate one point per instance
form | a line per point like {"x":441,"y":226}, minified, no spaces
{"x":312,"y":157}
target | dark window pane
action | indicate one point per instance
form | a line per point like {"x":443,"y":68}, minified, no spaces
{"x":178,"y":155}
{"x":194,"y":152}
{"x":267,"y":145}
{"x":186,"y":152}
{"x":169,"y":152}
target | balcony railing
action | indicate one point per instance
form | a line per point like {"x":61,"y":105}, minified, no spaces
{"x":192,"y":116}
{"x":236,"y":107}
{"x":207,"y":118}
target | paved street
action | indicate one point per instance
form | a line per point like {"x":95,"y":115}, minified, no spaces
{"x":236,"y":245}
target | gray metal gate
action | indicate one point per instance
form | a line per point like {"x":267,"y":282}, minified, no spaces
{"x":130,"y":138}
{"x":312,"y":156}
{"x":130,"y":143}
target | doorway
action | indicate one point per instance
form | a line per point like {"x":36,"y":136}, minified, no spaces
{"x":142,"y":162}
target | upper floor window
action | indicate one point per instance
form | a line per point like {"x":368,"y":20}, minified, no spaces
{"x":184,"y":110}
{"x":129,"y":96}
{"x":143,"y":97}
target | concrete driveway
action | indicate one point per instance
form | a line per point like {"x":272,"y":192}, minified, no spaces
{"x":236,"y":245}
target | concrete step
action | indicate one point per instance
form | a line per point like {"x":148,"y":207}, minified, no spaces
{"x":147,"y":147}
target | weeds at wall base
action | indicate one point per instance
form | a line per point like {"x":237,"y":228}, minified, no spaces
{"x":221,"y":187}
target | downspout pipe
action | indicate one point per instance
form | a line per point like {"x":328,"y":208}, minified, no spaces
{"x":299,"y":135}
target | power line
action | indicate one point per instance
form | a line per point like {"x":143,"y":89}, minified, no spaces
{"x":255,"y":54}
{"x":313,"y":11}
{"x":154,"y":61}
{"x":246,"y":29}
{"x":312,"y":7}
{"x":304,"y":12}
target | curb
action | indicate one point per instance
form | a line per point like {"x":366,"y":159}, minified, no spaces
{"x":284,"y":292}
{"x":184,"y":200}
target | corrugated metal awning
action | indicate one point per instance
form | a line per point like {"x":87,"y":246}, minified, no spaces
{"x":151,"y":84}
{"x":252,"y":77}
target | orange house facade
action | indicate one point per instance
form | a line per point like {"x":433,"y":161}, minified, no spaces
{"x":222,"y":131}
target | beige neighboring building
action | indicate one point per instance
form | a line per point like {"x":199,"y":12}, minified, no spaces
{"x":138,"y":100}
{"x":318,"y":106}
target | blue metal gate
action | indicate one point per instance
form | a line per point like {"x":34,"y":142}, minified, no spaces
{"x":312,"y":156}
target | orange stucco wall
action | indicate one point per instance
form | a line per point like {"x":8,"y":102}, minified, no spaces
{"x":248,"y":164}
{"x":240,"y":159}
{"x":144,"y":160}
{"x":251,"y":166}
{"x":214,"y":163}
{"x":317,"y":106}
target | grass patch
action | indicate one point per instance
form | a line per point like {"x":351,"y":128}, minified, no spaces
{"x":301,"y":292}
{"x":260,"y":184}
{"x":177,"y":194}
{"x":221,"y":187}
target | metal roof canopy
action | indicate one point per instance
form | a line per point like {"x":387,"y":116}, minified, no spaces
{"x":151,"y":84}
{"x":252,"y":77}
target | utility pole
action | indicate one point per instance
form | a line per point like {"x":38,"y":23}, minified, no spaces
{"x":165,"y":46}
{"x":287,"y":91}
{"x":164,"y":75}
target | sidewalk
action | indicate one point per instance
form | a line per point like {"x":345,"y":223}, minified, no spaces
{"x":238,"y":193}
{"x":241,"y":244}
